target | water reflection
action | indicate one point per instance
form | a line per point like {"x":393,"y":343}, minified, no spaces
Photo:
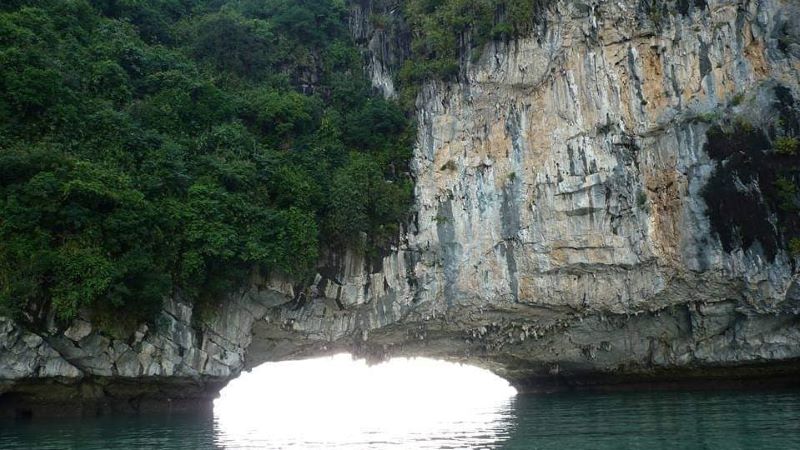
{"x":645,"y":420}
{"x":735,"y":420}
{"x":341,"y":403}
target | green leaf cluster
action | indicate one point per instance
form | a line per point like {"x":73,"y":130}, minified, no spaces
{"x":149,"y":147}
{"x":786,"y":145}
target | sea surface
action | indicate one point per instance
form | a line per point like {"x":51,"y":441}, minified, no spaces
{"x":642,"y":420}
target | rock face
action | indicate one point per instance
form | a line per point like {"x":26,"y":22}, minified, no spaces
{"x":177,"y":363}
{"x":562,"y":234}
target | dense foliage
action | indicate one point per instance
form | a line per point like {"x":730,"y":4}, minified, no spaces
{"x":150,"y":146}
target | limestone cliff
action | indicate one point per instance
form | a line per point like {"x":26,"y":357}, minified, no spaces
{"x":564,"y":230}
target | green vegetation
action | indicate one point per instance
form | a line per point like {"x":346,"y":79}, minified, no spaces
{"x":786,"y":194}
{"x":794,"y":247}
{"x":445,"y":32}
{"x":786,"y":145}
{"x":752,"y":195}
{"x":149,"y":147}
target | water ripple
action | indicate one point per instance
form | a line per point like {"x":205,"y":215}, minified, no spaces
{"x":658,"y":420}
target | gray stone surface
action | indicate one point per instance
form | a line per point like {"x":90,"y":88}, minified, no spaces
{"x":559,"y":212}
{"x":78,"y":330}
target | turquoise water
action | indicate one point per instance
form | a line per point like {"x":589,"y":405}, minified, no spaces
{"x":650,"y":420}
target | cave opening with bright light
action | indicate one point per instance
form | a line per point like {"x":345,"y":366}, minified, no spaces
{"x":339,"y":400}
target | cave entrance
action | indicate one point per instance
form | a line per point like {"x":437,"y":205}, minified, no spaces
{"x":339,"y":401}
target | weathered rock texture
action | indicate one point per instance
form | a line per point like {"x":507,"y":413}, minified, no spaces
{"x":561,"y":234}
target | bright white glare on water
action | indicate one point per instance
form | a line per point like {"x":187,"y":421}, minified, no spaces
{"x":343,"y":403}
